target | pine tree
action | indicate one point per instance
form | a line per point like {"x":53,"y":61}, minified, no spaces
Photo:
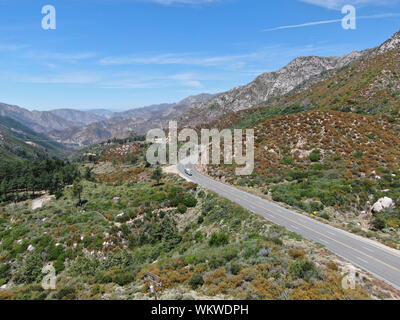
{"x":157,"y":174}
{"x":77,"y":189}
{"x":3,"y":187}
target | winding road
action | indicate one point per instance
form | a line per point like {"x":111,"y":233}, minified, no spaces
{"x":377,"y":259}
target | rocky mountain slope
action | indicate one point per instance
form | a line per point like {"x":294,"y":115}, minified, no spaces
{"x":298,"y":76}
{"x":36,"y":120}
{"x":80,"y":118}
{"x":268,"y":85}
{"x":45,"y":121}
{"x":125,"y":124}
{"x":370,"y":85}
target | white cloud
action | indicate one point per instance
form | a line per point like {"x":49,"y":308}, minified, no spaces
{"x":338,"y":4}
{"x":56,"y":56}
{"x":187,"y":80}
{"x":210,"y":70}
{"x":12,"y":47}
{"x":180,"y":59}
{"x":267,"y":58}
{"x":134,"y":81}
{"x":64,"y":78}
{"x":171,"y":2}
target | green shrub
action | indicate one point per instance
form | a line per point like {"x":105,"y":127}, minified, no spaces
{"x":5,"y":273}
{"x":196,"y":281}
{"x":378,"y":223}
{"x":236,"y":268}
{"x":68,"y":293}
{"x":315,"y":156}
{"x":31,"y":269}
{"x":218,"y":239}
{"x":288,"y":160}
{"x":59,"y":265}
{"x":302,"y":269}
{"x":160,"y":197}
{"x":58,"y":194}
{"x":316,"y":206}
{"x":182,"y":208}
{"x":277,"y":241}
{"x":55,"y":252}
{"x":215,"y":262}
{"x":201,"y":194}
{"x":325,"y":216}
{"x":190,"y":202}
{"x":198,"y":237}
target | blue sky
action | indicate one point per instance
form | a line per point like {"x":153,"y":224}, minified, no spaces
{"x":121,"y":54}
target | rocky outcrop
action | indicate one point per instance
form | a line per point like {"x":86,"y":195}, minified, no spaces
{"x":390,"y":44}
{"x":382,"y":204}
{"x":302,"y":71}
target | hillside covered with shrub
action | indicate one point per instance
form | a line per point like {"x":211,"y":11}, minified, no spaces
{"x":18,"y":142}
{"x":201,"y":246}
{"x":336,"y":163}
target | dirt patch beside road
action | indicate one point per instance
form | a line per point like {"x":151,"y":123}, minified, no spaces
{"x":38,"y":203}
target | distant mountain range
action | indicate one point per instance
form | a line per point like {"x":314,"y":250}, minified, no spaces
{"x":75,"y":128}
{"x":45,"y":121}
{"x":125,"y":124}
{"x":290,"y":84}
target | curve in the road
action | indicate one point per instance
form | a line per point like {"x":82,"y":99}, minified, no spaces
{"x":379,"y":260}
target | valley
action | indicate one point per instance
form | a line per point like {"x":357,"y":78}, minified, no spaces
{"x":78,"y":193}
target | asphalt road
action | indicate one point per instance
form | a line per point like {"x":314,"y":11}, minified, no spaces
{"x":379,"y":260}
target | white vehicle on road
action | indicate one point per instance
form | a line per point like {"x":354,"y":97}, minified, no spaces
{"x":189,"y":172}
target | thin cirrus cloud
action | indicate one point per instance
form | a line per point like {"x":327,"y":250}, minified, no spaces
{"x":63,"y":78}
{"x":56,"y":56}
{"x":178,"y":59}
{"x":315,"y":23}
{"x":338,"y":4}
{"x":172,"y":2}
{"x":107,"y":80}
{"x":12,"y":47}
{"x":44,"y":55}
{"x":265,"y":57}
{"x":127,"y":81}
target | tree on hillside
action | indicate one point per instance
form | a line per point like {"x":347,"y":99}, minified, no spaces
{"x":3,"y":187}
{"x":88,"y":173}
{"x":157,"y":174}
{"x":77,"y":189}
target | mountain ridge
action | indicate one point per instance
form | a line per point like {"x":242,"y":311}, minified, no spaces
{"x":298,"y":76}
{"x":127,"y":123}
{"x":81,"y":128}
